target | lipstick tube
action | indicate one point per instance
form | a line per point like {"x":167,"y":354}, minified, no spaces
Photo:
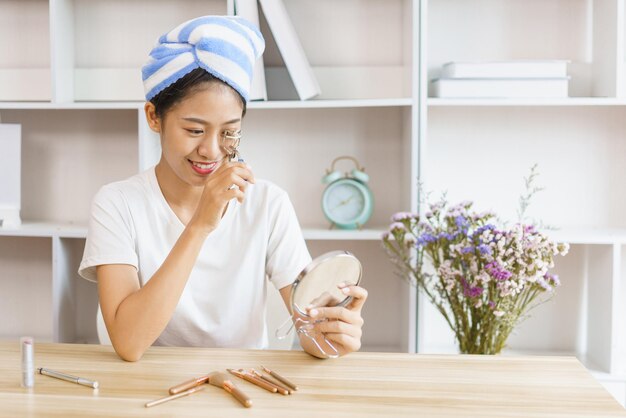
{"x":28,"y":361}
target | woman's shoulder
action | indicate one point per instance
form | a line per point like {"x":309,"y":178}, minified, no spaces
{"x":266,"y":191}
{"x":267,"y":187}
{"x":131,"y":188}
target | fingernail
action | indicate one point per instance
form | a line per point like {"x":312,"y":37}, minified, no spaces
{"x":313,"y":312}
{"x":346,"y":290}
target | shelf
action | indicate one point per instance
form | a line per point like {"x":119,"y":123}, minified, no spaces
{"x":570,"y":101}
{"x":64,"y":230}
{"x":273,"y":104}
{"x":46,"y":229}
{"x":25,"y":83}
{"x":571,"y":236}
{"x":46,"y":105}
{"x":312,"y":104}
{"x":335,"y":234}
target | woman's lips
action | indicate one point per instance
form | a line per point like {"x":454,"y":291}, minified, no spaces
{"x":203,"y":168}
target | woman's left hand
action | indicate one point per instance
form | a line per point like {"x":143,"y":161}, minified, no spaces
{"x":341,"y":325}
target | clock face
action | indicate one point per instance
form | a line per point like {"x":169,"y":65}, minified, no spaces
{"x":347,"y":203}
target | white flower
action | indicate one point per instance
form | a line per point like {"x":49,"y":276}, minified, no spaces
{"x":396,"y":226}
{"x":498,"y":313}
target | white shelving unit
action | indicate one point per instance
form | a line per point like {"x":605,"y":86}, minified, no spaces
{"x":76,"y":90}
{"x":480,"y":149}
{"x":87,"y":128}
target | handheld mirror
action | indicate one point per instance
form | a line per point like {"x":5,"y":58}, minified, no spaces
{"x":319,"y":285}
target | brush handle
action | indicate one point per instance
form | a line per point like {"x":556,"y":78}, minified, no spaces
{"x":188,"y":384}
{"x":279,"y":388}
{"x":238,"y":394}
{"x":172,"y":397}
{"x":261,"y":383}
{"x":283,"y":380}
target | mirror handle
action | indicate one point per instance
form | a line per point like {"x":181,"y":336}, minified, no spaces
{"x":280,"y":333}
{"x":305,"y":331}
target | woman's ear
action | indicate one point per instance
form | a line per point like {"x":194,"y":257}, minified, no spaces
{"x":154,"y":122}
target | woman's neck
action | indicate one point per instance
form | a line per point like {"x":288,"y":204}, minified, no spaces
{"x":178,"y":194}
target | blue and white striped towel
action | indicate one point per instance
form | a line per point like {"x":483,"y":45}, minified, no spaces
{"x":225,"y":46}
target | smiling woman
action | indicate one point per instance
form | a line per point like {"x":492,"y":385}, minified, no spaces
{"x":181,"y":251}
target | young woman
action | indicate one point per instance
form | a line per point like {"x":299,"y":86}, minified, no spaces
{"x":181,"y":251}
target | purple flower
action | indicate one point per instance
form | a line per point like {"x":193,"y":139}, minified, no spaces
{"x":467,"y":250}
{"x":529,"y":229}
{"x":484,"y":249}
{"x":461,"y":222}
{"x":471,"y":291}
{"x":425,"y":239}
{"x":497,"y":272}
{"x":484,"y":228}
{"x":491,"y":304}
{"x":448,"y":236}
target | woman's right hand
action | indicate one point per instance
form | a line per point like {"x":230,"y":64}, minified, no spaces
{"x":229,"y":181}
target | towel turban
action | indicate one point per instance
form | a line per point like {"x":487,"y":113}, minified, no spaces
{"x":225,"y":46}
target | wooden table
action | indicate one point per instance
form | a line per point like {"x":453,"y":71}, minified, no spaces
{"x":360,"y":385}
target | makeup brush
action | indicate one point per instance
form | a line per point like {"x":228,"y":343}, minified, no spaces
{"x":222,"y":380}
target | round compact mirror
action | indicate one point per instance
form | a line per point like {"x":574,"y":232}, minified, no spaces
{"x":319,"y":285}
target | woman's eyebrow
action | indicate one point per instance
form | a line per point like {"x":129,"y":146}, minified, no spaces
{"x":204,"y":122}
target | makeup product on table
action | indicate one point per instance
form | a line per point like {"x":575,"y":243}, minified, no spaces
{"x":280,"y":378}
{"x":223,"y":381}
{"x":188,"y":384}
{"x":280,"y":388}
{"x":252,"y":379}
{"x":176,"y":396}
{"x":28,"y":368}
{"x":68,"y":378}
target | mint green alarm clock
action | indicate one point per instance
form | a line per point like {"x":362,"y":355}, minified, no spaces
{"x":347,"y":201}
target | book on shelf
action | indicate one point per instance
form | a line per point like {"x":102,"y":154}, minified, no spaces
{"x":500,"y":87}
{"x":10,"y":175}
{"x":249,"y":10}
{"x":290,"y":48}
{"x":506,"y":69}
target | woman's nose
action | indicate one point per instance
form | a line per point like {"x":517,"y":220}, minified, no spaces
{"x":210,"y":147}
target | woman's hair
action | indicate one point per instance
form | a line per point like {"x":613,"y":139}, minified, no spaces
{"x":176,"y":92}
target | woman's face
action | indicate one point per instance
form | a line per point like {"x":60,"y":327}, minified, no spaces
{"x":192,"y":131}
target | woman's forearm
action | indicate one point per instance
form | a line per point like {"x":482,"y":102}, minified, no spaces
{"x":143,"y":315}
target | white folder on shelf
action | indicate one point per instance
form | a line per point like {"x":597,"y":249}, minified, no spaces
{"x":505,"y":69}
{"x":249,"y":10}
{"x":290,"y":48}
{"x":10,"y":175}
{"x":500,"y":88}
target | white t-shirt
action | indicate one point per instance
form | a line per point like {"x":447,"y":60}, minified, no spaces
{"x":223,"y":303}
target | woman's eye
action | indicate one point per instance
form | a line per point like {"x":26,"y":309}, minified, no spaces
{"x":195,"y":131}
